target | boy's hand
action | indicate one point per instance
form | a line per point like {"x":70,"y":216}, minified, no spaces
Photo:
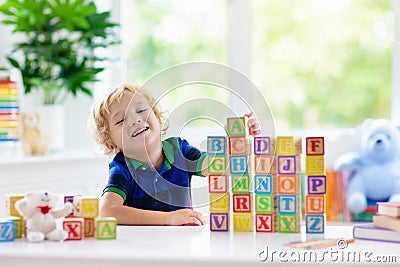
{"x":185,"y":217}
{"x":254,"y":128}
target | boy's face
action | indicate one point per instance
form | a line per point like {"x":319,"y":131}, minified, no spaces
{"x":134,"y":128}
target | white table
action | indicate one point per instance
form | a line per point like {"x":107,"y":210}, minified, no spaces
{"x":182,"y":246}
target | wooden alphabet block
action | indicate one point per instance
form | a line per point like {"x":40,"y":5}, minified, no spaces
{"x":263,"y":184}
{"x":264,"y":223}
{"x":238,"y":164}
{"x":287,"y":223}
{"x":287,"y":204}
{"x":19,"y":225}
{"x":237,"y":126}
{"x":10,"y":204}
{"x":315,"y":165}
{"x":219,"y":222}
{"x":216,"y":145}
{"x":242,"y":222}
{"x":74,"y":228}
{"x":287,"y":164}
{"x":219,"y":203}
{"x":285,"y":145}
{"x":315,"y":224}
{"x":264,"y":203}
{"x":89,"y":227}
{"x":7,"y":231}
{"x":262,"y":146}
{"x":238,"y":145}
{"x":70,"y":199}
{"x":263,"y":164}
{"x":287,"y":184}
{"x":316,"y":184}
{"x":315,"y":204}
{"x":241,"y":184}
{"x":217,"y":165}
{"x":242,"y":202}
{"x":86,"y":207}
{"x":106,"y":228}
{"x":315,"y":146}
{"x":218,"y":183}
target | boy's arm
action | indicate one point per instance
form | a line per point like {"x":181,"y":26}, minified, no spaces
{"x":112,"y":206}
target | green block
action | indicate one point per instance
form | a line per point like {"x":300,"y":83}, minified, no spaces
{"x":236,"y":126}
{"x":287,"y":223}
{"x":217,"y":164}
{"x":264,"y":203}
{"x":241,"y":184}
{"x":106,"y":228}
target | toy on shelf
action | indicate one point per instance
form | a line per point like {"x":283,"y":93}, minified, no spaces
{"x":375,"y":175}
{"x":34,"y":140}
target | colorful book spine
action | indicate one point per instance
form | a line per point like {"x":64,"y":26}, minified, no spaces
{"x":9,"y":112}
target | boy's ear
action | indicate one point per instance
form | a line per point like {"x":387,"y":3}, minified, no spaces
{"x":113,"y":147}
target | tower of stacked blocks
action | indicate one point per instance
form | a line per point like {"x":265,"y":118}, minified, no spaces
{"x":261,"y":177}
{"x":82,"y":223}
{"x":316,"y":186}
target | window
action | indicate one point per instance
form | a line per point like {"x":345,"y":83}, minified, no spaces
{"x":323,"y":63}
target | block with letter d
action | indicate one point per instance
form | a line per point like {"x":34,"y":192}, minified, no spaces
{"x":219,"y":222}
{"x":262,"y":146}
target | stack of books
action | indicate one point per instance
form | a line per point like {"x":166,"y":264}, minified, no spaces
{"x":385,"y":225}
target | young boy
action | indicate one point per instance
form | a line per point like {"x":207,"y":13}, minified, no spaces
{"x":149,"y":179}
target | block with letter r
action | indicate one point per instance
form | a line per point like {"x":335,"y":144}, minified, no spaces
{"x":216,"y":145}
{"x":219,"y":222}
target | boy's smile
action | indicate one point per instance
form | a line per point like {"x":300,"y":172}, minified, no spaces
{"x":134,"y":128}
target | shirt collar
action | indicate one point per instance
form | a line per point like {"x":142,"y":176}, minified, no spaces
{"x":169,"y":149}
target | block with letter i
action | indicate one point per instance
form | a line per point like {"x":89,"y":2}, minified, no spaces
{"x":106,"y":228}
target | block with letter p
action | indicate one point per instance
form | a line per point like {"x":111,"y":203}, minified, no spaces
{"x":316,"y":184}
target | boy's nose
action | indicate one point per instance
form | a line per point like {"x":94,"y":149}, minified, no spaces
{"x":138,"y":120}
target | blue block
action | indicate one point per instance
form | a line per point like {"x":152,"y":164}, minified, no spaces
{"x":7,"y":231}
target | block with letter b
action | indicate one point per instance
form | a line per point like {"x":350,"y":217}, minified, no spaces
{"x":219,"y":222}
{"x":216,"y":145}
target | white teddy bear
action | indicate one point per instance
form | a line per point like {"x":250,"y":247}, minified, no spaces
{"x":40,"y":214}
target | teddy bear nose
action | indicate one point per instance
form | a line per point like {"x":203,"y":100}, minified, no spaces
{"x":379,"y":141}
{"x":45,"y":193}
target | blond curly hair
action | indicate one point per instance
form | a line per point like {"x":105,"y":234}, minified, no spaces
{"x":98,"y":118}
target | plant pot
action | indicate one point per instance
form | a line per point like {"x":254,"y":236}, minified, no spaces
{"x":52,"y":122}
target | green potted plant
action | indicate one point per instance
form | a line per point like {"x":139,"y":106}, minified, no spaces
{"x":57,"y":55}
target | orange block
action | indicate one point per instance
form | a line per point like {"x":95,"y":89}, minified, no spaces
{"x":315,"y":204}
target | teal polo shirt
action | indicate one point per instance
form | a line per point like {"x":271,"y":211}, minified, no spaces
{"x":164,"y":189}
